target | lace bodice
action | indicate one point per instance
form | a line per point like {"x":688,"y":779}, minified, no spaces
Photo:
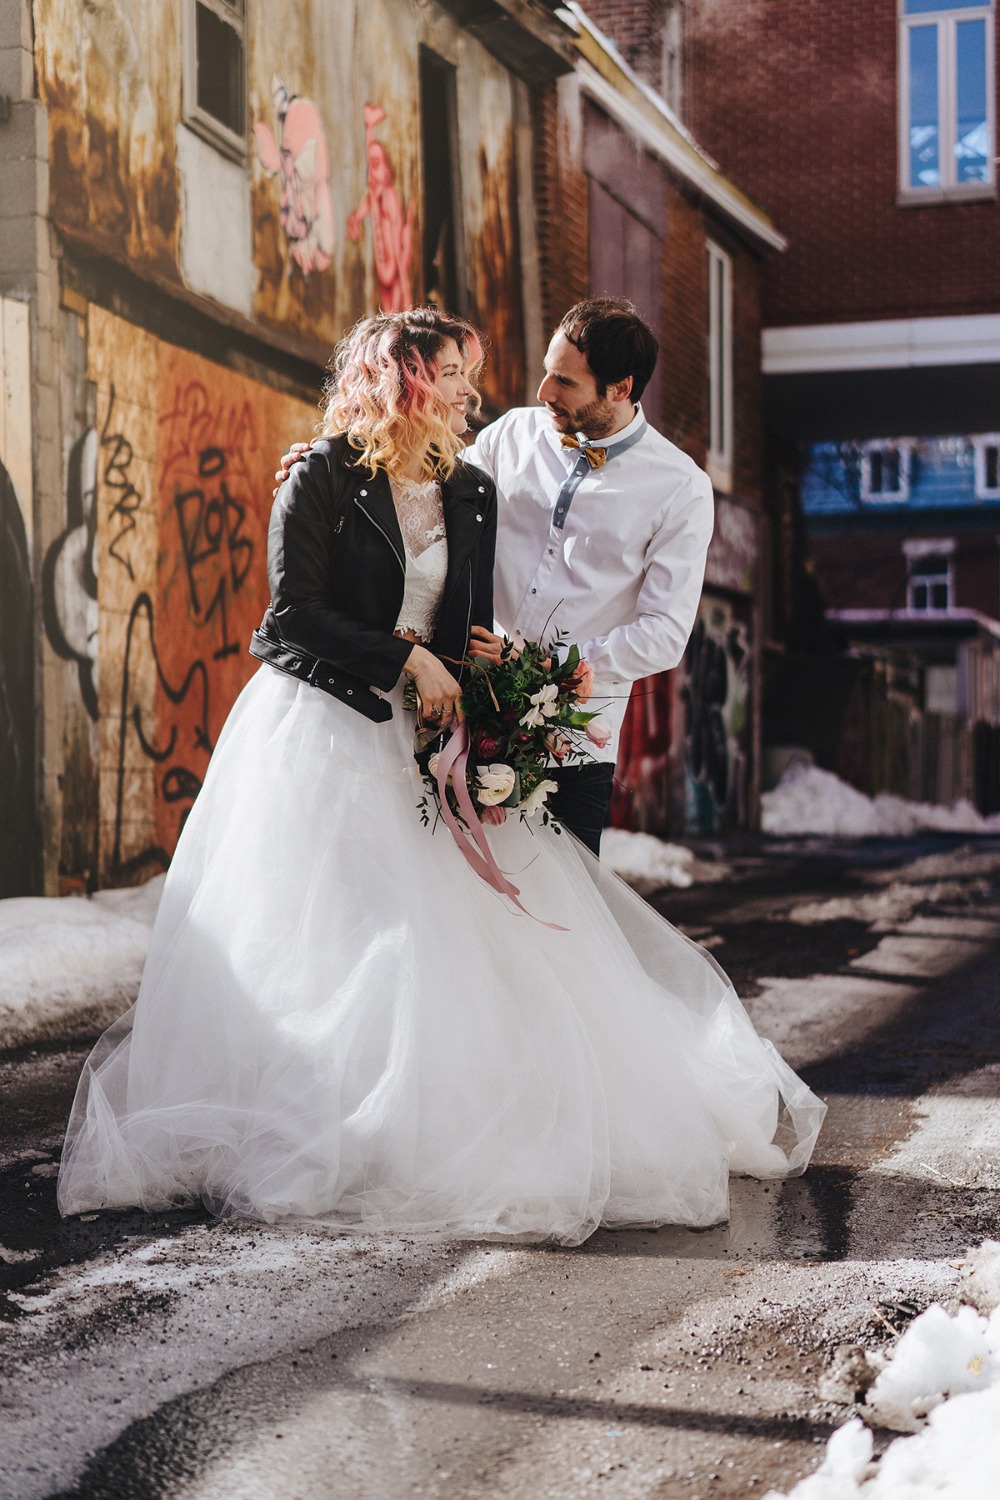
{"x":421,"y":520}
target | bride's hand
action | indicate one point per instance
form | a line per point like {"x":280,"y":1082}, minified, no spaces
{"x":438,"y":692}
{"x":295,"y":452}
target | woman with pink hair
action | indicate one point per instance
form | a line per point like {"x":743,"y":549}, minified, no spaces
{"x":338,"y":1020}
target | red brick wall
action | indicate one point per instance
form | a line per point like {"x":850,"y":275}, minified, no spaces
{"x":852,"y":575}
{"x":798,"y":104}
{"x":562,"y":208}
{"x":636,"y":28}
{"x":563,"y":199}
{"x":683,"y":345}
{"x":976,"y":570}
{"x":871,"y":574}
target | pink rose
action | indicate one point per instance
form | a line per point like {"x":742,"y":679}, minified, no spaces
{"x":495,"y":815}
{"x":598,"y":734}
{"x":583,"y":680}
{"x":557,"y":745}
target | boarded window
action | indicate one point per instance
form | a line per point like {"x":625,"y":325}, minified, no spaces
{"x":443,"y":258}
{"x":215,"y":72}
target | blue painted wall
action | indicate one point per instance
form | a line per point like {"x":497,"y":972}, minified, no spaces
{"x":942,"y":477}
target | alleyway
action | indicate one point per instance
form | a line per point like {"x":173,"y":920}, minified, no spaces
{"x":175,"y":1357}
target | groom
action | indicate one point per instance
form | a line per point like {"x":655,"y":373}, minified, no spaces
{"x":602,"y":529}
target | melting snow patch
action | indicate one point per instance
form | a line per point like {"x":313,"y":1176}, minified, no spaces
{"x":648,"y":863}
{"x":946,"y":1370}
{"x":810,"y":801}
{"x":63,"y":955}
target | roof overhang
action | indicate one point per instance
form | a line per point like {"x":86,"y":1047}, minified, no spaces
{"x":529,"y":37}
{"x":881,"y":344}
{"x":914,"y":628}
{"x":607,"y":78}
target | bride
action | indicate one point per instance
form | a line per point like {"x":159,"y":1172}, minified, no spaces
{"x":338,"y":1020}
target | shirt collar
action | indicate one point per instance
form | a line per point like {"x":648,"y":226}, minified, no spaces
{"x":625,"y":432}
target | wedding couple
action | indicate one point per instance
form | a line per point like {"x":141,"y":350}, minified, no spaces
{"x":338,"y":1020}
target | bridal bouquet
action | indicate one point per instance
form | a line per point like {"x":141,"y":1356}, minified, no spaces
{"x":521,"y":714}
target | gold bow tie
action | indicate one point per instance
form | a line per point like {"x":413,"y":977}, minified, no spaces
{"x":596,"y":457}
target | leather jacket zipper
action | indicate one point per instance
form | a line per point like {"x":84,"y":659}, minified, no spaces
{"x":468,"y":622}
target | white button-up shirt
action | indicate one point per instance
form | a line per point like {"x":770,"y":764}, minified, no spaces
{"x":622,"y":578}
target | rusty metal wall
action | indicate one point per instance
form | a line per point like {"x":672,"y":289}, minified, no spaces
{"x":331,"y":185}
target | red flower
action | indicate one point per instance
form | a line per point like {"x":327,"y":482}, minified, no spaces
{"x":487,"y":745}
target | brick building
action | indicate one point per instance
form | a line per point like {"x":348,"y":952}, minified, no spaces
{"x":639,"y":209}
{"x":868,"y":131}
{"x":196,"y":201}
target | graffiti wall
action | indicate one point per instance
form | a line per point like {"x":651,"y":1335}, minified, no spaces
{"x":714,"y":685}
{"x":641,"y":800}
{"x":17,"y":696}
{"x":315,"y":205}
{"x":180,"y":465}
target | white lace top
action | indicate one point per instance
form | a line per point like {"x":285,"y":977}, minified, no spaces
{"x":421,"y":520}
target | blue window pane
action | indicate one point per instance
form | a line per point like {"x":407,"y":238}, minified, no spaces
{"x":925,"y":164}
{"x":921,"y":7}
{"x":972,"y":134}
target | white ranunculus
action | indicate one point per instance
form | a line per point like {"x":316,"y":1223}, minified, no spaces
{"x":536,"y":800}
{"x":496,"y":783}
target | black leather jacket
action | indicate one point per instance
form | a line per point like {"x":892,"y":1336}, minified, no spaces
{"x":335,"y":565}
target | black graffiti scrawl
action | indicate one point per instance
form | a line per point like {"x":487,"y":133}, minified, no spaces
{"x":69,"y":573}
{"x":19,"y":865}
{"x":179,"y":781}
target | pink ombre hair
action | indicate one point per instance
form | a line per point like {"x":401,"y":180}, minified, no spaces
{"x":381,"y":390}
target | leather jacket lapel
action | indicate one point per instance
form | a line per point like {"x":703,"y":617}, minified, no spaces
{"x":374,"y":497}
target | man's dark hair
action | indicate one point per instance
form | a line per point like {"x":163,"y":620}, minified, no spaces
{"x":615,"y":341}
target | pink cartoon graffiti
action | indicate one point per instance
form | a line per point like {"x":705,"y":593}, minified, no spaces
{"x":392,"y":230}
{"x":299,"y":158}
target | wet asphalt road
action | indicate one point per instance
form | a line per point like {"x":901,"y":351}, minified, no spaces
{"x":175,"y":1357}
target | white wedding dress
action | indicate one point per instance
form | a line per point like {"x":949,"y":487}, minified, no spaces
{"x":339,"y":1021}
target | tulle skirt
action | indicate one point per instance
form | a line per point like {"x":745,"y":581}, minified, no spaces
{"x":339,"y":1021}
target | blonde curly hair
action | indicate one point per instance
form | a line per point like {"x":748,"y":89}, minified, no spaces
{"x":382,"y":394}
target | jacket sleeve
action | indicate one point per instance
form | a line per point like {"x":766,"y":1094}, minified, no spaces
{"x":301,"y":542}
{"x":654,"y":639}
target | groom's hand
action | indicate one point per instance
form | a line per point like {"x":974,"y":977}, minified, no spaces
{"x":295,"y":452}
{"x":485,"y":644}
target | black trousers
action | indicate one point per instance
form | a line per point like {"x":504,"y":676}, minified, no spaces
{"x":582,"y":801}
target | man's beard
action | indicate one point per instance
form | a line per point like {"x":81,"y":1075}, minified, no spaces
{"x":595,"y":420}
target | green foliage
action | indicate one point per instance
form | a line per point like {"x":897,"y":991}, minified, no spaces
{"x":522,"y":716}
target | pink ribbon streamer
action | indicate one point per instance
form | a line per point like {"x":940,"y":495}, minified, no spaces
{"x":478,"y":854}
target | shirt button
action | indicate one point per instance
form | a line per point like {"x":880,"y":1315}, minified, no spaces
{"x":534,"y":591}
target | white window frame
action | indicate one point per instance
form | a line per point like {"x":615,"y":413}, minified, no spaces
{"x":980,"y":444}
{"x":930,"y":547}
{"x":720,"y":367}
{"x":886,"y":497}
{"x":199,"y":120}
{"x":945,"y":21}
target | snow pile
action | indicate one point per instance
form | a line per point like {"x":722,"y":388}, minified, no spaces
{"x":810,"y":801}
{"x":71,"y":958}
{"x":647,"y":863}
{"x":947,"y":1370}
